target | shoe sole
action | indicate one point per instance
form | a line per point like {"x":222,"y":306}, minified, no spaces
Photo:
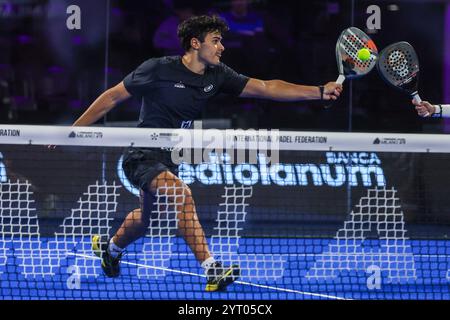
{"x":221,"y":285}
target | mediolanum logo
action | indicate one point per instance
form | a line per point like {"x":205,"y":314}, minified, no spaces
{"x":86,"y":134}
{"x":338,"y":170}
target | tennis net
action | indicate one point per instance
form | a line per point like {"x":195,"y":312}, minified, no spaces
{"x":305,"y":215}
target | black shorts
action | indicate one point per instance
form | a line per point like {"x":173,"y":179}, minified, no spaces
{"x":142,"y":165}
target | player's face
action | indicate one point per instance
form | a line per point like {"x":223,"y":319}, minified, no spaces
{"x":211,"y":49}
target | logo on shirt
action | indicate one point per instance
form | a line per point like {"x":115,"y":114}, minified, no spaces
{"x":179,"y":85}
{"x":208,"y":88}
{"x":186,"y":124}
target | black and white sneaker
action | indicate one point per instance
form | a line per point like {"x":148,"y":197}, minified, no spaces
{"x":110,"y":265}
{"x":219,"y":277}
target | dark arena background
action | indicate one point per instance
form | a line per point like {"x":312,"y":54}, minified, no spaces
{"x":355,"y":206}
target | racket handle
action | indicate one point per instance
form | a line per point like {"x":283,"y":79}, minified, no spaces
{"x":417,"y":98}
{"x":339,"y":80}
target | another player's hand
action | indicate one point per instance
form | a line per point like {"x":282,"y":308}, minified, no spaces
{"x":332,"y":91}
{"x":424,"y":108}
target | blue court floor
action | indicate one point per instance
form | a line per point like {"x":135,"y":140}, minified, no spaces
{"x":272,"y":269}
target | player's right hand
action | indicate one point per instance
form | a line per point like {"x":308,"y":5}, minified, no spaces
{"x":332,"y":91}
{"x":424,"y":108}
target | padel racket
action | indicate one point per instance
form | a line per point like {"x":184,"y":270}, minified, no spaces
{"x":348,"y":45}
{"x":398,"y":66}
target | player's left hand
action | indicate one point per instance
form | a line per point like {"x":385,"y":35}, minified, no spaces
{"x":332,"y":91}
{"x":424,"y":108}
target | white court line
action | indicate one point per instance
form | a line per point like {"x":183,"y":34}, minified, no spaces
{"x":319,"y":254}
{"x":56,"y":255}
{"x":204,"y":276}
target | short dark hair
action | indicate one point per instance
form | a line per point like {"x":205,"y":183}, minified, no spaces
{"x":198,"y":27}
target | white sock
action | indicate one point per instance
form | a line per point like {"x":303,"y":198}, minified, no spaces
{"x":207,"y":263}
{"x":113,"y":249}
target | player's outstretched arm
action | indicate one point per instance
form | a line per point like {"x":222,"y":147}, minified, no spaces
{"x":101,"y":106}
{"x":284,"y":91}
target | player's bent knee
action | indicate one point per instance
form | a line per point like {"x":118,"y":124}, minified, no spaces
{"x":171,"y":185}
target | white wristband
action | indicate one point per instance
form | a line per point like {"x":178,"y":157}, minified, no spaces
{"x":445,"y":110}
{"x":437,"y":111}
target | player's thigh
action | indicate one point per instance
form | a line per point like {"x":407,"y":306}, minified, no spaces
{"x":169,"y":185}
